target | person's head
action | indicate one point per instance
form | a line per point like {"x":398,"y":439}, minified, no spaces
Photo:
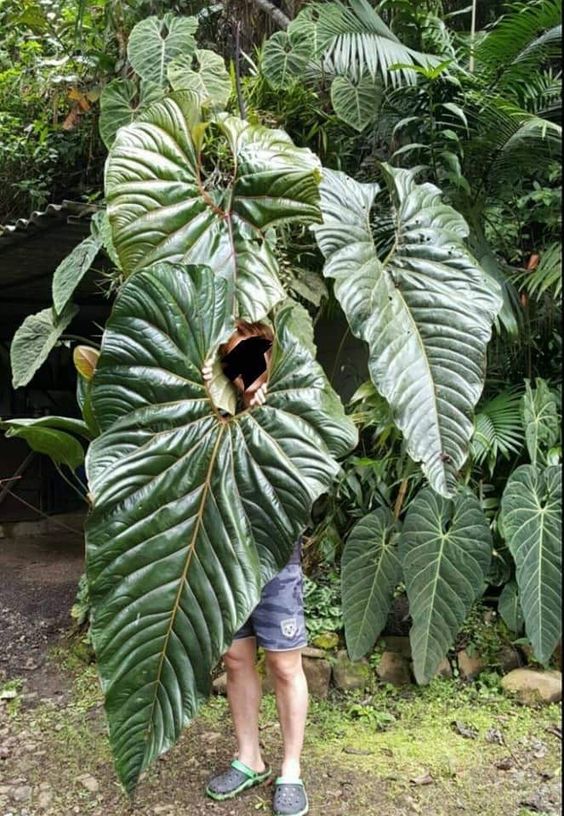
{"x":246,"y":355}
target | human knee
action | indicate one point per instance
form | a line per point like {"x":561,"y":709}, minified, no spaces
{"x":285,"y":666}
{"x":238,"y":659}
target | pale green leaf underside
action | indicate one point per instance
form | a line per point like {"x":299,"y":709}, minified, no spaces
{"x":425,"y":311}
{"x":371,"y":571}
{"x":192,"y":512}
{"x":532,"y":524}
{"x":160,"y":210}
{"x":34,"y":340}
{"x":72,"y":269}
{"x":53,"y":436}
{"x":155,"y":42}
{"x":445,"y":550}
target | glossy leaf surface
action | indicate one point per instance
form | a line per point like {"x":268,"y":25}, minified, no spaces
{"x":210,"y":82}
{"x":193,"y":511}
{"x":122,"y":102}
{"x":155,"y":42}
{"x":445,"y":550}
{"x":53,"y":436}
{"x":371,"y":570}
{"x":162,"y":207}
{"x":532,"y":524}
{"x":425,"y":310}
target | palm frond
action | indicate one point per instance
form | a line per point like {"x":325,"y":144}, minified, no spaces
{"x":354,"y":40}
{"x":507,"y":143}
{"x":498,"y":429}
{"x":547,"y":277}
{"x":521,"y":41}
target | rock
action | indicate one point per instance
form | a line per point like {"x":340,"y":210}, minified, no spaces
{"x":532,"y":686}
{"x":469,"y":665}
{"x":219,"y":685}
{"x":508,"y":658}
{"x":162,"y":810}
{"x":318,"y":674}
{"x":44,"y":798}
{"x":394,"y":643}
{"x":315,"y":654}
{"x":326,"y":640}
{"x":349,"y":675}
{"x":394,"y":668}
{"x":89,"y":782}
{"x":22,"y":793}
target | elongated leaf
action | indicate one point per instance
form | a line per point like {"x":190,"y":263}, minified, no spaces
{"x":33,"y":341}
{"x":161,"y":209}
{"x":192,"y":511}
{"x":542,"y":423}
{"x":356,"y":102}
{"x":283,"y":61}
{"x":426,"y":311}
{"x":371,"y":570}
{"x":72,"y":269}
{"x":532,"y":523}
{"x":122,"y":102}
{"x":155,"y":42}
{"x":445,"y":550}
{"x":211,"y":82}
{"x":53,"y":436}
{"x":509,"y":607}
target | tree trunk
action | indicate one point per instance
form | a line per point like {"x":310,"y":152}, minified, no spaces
{"x":277,"y":16}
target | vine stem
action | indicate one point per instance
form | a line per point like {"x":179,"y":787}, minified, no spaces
{"x":400,"y":498}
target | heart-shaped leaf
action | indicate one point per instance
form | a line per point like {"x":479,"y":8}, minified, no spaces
{"x":193,"y":511}
{"x":371,"y":571}
{"x":211,"y":82}
{"x":542,"y":423}
{"x":33,"y":341}
{"x":531,"y":508}
{"x":163,"y":207}
{"x":283,"y":61}
{"x":122,"y":102}
{"x":356,"y":102}
{"x":446,"y":551}
{"x":426,"y":311}
{"x":155,"y":42}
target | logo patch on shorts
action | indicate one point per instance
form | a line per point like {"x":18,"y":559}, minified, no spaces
{"x":289,"y":627}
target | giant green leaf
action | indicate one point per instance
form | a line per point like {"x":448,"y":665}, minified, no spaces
{"x":540,"y":416}
{"x":425,"y":310}
{"x":193,"y":510}
{"x":371,"y":571}
{"x":211,"y":82}
{"x":34,"y":340}
{"x":163,"y":206}
{"x":445,"y":549}
{"x":53,"y":436}
{"x":122,"y":101}
{"x":155,"y":42}
{"x":531,"y":508}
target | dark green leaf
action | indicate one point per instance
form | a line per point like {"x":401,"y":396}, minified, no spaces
{"x":192,"y":511}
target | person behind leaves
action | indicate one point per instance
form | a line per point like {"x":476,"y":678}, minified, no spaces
{"x":277,"y":625}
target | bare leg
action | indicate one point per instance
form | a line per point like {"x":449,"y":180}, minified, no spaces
{"x":244,"y":693}
{"x":292,"y":703}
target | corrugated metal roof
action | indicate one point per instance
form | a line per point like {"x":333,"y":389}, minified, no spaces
{"x":71,"y":212}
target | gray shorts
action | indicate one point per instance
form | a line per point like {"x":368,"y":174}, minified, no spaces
{"x":278,"y":622}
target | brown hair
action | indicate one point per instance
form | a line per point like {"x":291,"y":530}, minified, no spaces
{"x":243,"y":331}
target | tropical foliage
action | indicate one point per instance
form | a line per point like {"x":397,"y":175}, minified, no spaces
{"x":405,"y":183}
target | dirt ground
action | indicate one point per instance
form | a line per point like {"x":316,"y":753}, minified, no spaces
{"x":444,"y":750}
